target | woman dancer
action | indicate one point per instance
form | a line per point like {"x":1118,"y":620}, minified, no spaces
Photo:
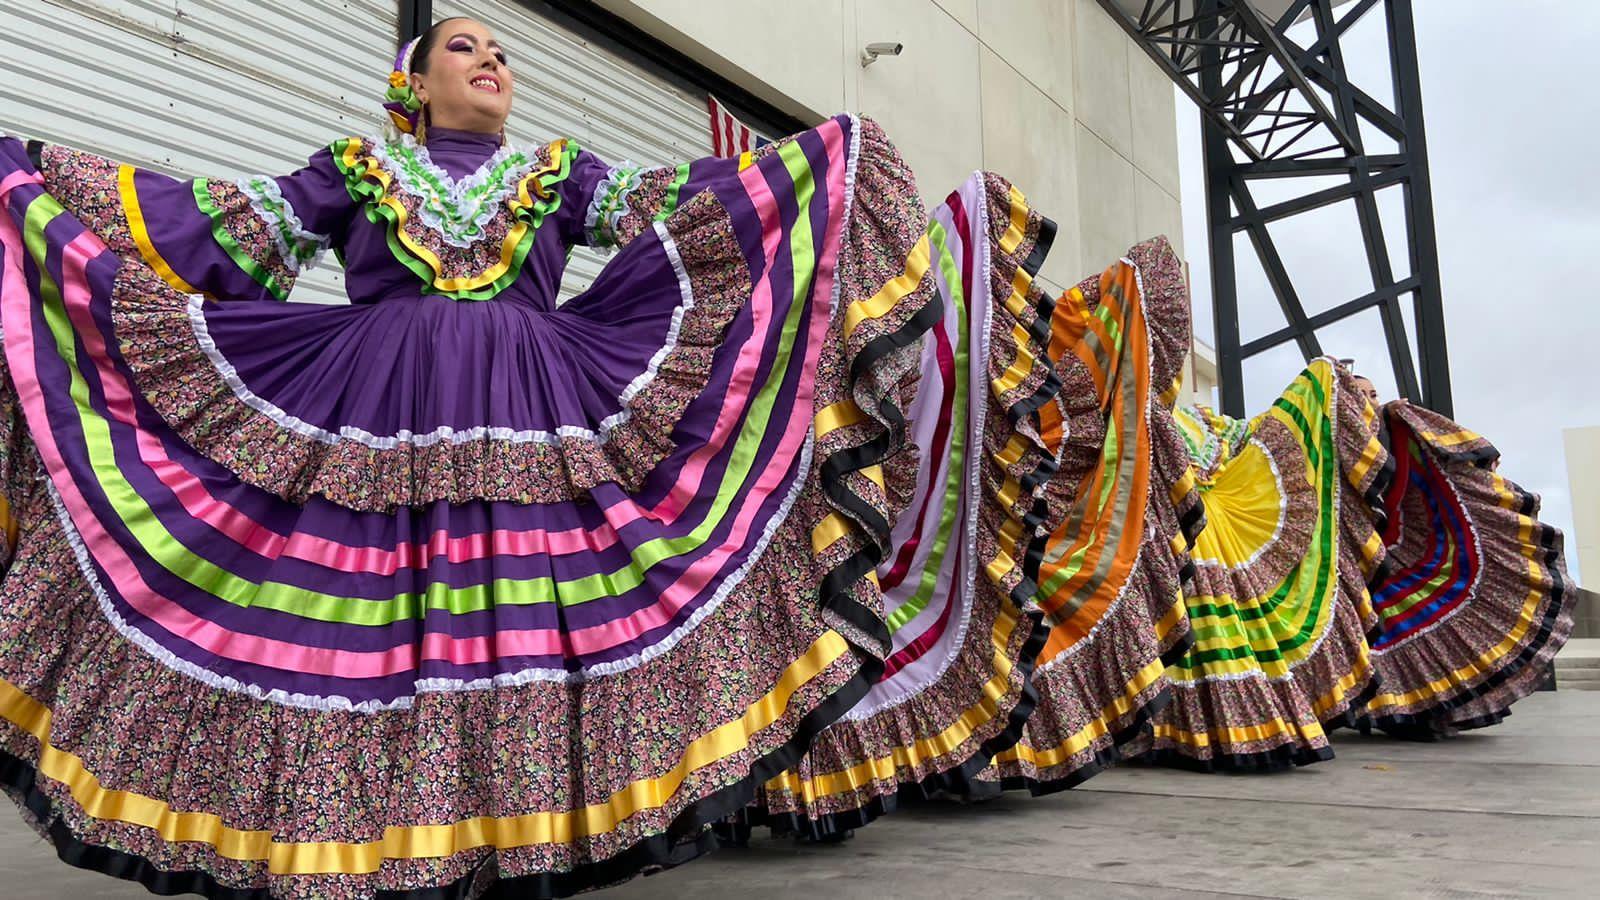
{"x":447,"y":586}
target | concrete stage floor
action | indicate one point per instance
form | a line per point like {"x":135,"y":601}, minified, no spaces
{"x":1513,"y":811}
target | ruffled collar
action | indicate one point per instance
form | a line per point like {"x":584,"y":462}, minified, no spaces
{"x":467,"y":236}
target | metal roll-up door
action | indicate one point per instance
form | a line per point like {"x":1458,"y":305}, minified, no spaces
{"x":198,"y":87}
{"x":567,"y":86}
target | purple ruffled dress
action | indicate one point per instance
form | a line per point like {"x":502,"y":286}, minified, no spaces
{"x":450,"y":584}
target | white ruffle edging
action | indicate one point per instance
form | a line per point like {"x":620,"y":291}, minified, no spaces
{"x":444,"y":433}
{"x":277,"y":212}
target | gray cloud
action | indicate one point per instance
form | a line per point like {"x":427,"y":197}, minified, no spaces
{"x":1513,"y":120}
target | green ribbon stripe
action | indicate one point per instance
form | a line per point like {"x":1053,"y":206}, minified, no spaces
{"x":219,"y":233}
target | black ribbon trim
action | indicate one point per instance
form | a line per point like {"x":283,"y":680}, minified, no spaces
{"x":835,"y":584}
{"x":959,"y":779}
{"x":1352,"y":715}
{"x":1192,"y":521}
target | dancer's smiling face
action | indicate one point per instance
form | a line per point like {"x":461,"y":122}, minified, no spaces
{"x":459,"y":72}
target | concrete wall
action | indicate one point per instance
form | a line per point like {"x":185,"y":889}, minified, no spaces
{"x":1583,"y":480}
{"x":1049,"y":93}
{"x":1200,"y":374}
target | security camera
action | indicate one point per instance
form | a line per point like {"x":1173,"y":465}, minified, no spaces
{"x":870,"y":54}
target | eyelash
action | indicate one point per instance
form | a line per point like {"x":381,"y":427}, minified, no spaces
{"x":459,"y":47}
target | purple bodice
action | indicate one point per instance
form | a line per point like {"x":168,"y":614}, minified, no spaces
{"x":376,"y":272}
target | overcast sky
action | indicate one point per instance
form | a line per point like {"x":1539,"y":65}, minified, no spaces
{"x":1511,"y":97}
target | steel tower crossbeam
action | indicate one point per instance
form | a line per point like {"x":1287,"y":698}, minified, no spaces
{"x":1277,"y":106}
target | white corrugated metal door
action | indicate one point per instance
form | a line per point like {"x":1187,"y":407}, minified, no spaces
{"x":197,"y":87}
{"x":569,"y":87}
{"x":214,"y":87}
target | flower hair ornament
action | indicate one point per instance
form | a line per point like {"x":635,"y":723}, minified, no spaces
{"x":405,"y":110}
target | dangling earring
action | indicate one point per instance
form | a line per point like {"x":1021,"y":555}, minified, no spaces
{"x":503,"y":141}
{"x":422,"y":126}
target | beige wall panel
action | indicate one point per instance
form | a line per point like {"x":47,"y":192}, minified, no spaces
{"x":1107,"y":220}
{"x":964,"y":11}
{"x":1029,"y":140}
{"x":1155,"y":134}
{"x":787,"y":53}
{"x":1035,"y":37}
{"x":1156,"y":212}
{"x":1583,"y":479}
{"x":1101,"y":93}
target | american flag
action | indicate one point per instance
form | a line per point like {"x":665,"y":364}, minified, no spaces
{"x":729,"y":136}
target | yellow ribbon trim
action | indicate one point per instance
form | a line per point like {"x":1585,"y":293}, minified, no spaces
{"x":1021,"y":284}
{"x":1169,"y":397}
{"x":1018,"y":226}
{"x":1341,"y":690}
{"x":409,"y":841}
{"x":1020,"y":366}
{"x":1449,"y":440}
{"x":835,"y":525}
{"x":1224,"y":667}
{"x":835,"y":416}
{"x":1003,"y":562}
{"x":9,"y":522}
{"x":898,"y":287}
{"x":1016,"y":301}
{"x":141,"y":232}
{"x":1177,"y":614}
{"x":1183,"y":486}
{"x":874,"y":474}
{"x":1369,"y":458}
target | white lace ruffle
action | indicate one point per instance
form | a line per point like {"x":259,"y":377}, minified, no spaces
{"x":449,"y":215}
{"x":444,"y":433}
{"x":600,"y":224}
{"x":267,"y":199}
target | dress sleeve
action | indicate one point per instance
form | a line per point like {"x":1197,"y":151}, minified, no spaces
{"x":592,"y":196}
{"x":245,"y":238}
{"x":613,"y":204}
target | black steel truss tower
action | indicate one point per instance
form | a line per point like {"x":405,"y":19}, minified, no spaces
{"x":1279,"y":108}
